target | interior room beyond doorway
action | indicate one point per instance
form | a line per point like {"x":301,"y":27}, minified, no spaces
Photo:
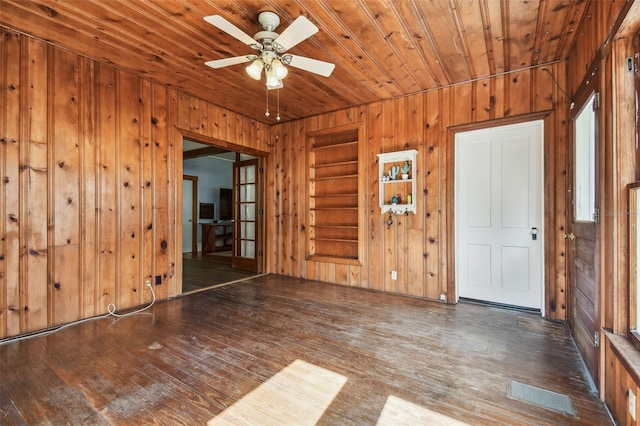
{"x":209,"y":216}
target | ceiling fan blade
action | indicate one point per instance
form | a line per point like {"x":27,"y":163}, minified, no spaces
{"x":220,"y":63}
{"x":226,"y":26}
{"x":313,"y":65}
{"x":299,"y":30}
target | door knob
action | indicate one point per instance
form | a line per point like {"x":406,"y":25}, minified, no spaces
{"x":569,"y":236}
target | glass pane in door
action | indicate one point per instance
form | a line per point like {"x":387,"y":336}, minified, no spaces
{"x":585,"y":160}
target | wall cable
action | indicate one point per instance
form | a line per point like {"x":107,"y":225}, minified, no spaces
{"x":111,"y":312}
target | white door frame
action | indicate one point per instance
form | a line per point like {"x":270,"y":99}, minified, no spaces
{"x":194,"y":211}
{"x":541,"y":235}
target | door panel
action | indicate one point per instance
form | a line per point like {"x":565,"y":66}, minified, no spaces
{"x":585,"y":293}
{"x":498,"y":211}
{"x":584,"y":240}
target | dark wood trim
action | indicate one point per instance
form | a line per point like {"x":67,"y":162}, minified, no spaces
{"x":618,"y":29}
{"x":203,"y":152}
{"x":542,"y":115}
{"x":220,"y":143}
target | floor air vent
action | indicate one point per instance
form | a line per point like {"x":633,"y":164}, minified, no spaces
{"x":541,"y":397}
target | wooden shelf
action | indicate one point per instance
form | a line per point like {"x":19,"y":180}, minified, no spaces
{"x":315,"y":179}
{"x":386,"y":182}
{"x":333,"y":211}
{"x":337,"y":240}
{"x":333,"y":145}
{"x":211,"y":236}
{"x":334,"y":208}
{"x":339,"y":163}
{"x":334,"y":259}
{"x":402,"y":187}
{"x":334,"y":195}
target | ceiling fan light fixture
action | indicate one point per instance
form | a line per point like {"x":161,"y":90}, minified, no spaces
{"x":270,"y":50}
{"x":255,"y":69}
{"x":273,"y":82}
{"x":279,"y":70}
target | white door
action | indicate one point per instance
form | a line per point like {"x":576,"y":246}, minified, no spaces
{"x":187,"y":214}
{"x":499,"y":211}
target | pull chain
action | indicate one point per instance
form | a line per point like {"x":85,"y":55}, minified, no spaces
{"x":267,"y":111}
{"x":278,"y":102}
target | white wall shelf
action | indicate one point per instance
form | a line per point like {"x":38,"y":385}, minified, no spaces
{"x":397,"y":193}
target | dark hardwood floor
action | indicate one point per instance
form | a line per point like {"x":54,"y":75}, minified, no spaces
{"x":206,"y":270}
{"x":274,"y":350}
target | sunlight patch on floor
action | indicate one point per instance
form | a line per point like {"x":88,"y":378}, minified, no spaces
{"x":397,"y":411}
{"x":298,"y":394}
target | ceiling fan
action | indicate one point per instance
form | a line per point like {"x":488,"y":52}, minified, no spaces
{"x":270,"y":48}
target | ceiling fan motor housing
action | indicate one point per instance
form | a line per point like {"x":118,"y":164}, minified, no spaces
{"x":268,"y":20}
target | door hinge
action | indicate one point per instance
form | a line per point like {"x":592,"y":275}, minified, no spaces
{"x":596,"y":339}
{"x":261,"y":170}
{"x":596,"y":215}
{"x":596,"y":101}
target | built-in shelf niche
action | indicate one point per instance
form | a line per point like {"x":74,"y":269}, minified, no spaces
{"x":397,"y":192}
{"x":333,"y":213}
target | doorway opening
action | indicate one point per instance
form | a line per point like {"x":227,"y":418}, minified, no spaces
{"x":222,"y":221}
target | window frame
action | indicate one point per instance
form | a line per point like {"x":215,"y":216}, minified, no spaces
{"x":633,"y":190}
{"x":634,"y":251}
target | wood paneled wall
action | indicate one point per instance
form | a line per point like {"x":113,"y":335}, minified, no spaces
{"x":90,"y":160}
{"x":91,"y":163}
{"x":420,"y":247}
{"x":593,"y":33}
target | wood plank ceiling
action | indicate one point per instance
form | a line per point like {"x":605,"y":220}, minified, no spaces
{"x":382,"y":48}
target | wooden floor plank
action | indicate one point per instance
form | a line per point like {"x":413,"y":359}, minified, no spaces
{"x":48,"y":399}
{"x":188,"y":359}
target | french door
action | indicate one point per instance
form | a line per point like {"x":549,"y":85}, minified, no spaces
{"x":247,"y":209}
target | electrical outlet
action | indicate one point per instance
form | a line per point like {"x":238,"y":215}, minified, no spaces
{"x":147,"y":282}
{"x":394,"y":275}
{"x":158,"y":279}
{"x":632,"y":404}
{"x":443,"y":297}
